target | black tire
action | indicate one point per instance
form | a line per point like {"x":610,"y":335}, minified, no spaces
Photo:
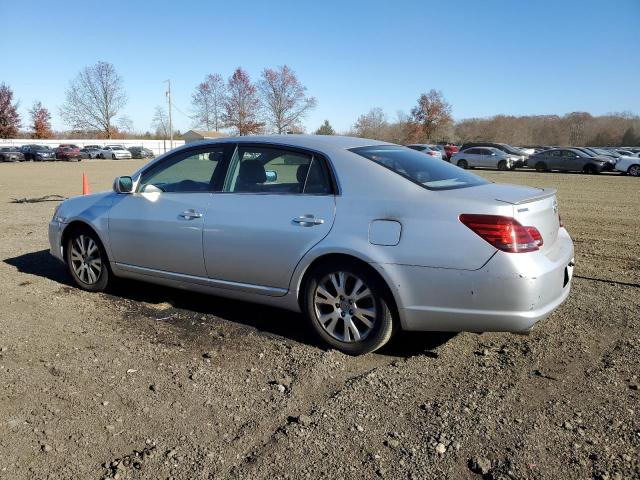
{"x":634,"y":170}
{"x":113,"y":156}
{"x":378,"y":301}
{"x":502,"y":165}
{"x":103,"y":278}
{"x":463,"y":164}
{"x":590,"y":169}
{"x":541,"y":167}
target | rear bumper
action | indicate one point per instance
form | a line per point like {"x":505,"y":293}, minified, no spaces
{"x":511,"y":292}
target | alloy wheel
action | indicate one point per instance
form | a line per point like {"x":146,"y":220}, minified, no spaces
{"x":634,"y":170}
{"x":85,"y":259}
{"x":345,"y":307}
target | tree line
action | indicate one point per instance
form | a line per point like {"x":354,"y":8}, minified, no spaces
{"x":278,"y":103}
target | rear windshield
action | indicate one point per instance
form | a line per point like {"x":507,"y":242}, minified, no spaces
{"x":429,"y":172}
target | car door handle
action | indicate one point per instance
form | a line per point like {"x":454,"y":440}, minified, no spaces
{"x":190,"y":214}
{"x":308,"y":221}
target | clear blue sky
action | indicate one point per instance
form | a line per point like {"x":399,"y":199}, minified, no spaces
{"x":487,"y":57}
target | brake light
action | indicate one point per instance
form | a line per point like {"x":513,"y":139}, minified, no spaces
{"x":535,"y":234}
{"x":431,"y":154}
{"x":504,"y":233}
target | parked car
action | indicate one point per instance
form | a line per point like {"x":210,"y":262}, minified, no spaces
{"x":500,"y":146}
{"x":68,"y":153}
{"x":141,"y":152}
{"x":629,"y":165}
{"x":486,"y":157}
{"x":451,"y":150}
{"x":339,"y":228}
{"x":115,"y":152}
{"x":625,"y":153}
{"x":37,"y":153}
{"x":570,"y":160}
{"x":11,"y":154}
{"x":426,"y":149}
{"x":90,"y":152}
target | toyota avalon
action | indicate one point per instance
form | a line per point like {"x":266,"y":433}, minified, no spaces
{"x":362,"y":237}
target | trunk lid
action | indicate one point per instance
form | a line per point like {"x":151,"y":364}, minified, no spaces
{"x":534,"y":207}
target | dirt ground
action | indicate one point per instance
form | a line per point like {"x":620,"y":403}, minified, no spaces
{"x":149,"y":382}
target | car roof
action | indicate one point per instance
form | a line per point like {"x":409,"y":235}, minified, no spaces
{"x":318,"y":142}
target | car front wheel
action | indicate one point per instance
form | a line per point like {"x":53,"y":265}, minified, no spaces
{"x":348,"y":308}
{"x":87,"y":260}
{"x":634,"y":170}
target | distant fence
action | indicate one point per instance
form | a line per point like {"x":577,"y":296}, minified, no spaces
{"x":157,"y":146}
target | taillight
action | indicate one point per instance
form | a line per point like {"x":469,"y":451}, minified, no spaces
{"x":431,"y":154}
{"x":504,"y":233}
{"x":560,"y":220}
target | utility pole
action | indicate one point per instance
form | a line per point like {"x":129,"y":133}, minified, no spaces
{"x":168,"y":94}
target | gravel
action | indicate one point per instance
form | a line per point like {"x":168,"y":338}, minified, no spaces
{"x":93,"y":386}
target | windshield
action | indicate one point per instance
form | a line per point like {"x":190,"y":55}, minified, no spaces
{"x":419,"y":168}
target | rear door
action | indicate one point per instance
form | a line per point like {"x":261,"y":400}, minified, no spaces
{"x":276,"y":204}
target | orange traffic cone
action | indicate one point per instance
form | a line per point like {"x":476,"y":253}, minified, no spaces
{"x":85,"y":184}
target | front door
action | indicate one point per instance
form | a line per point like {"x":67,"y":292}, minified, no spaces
{"x":276,"y":204}
{"x":159,"y":227}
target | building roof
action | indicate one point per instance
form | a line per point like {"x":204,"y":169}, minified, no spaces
{"x":204,"y":134}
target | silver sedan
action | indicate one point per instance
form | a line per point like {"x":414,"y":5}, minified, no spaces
{"x":362,"y":237}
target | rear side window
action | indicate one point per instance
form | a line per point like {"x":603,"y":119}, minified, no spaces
{"x":421,"y":169}
{"x":258,"y":169}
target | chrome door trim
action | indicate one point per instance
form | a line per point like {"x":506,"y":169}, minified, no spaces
{"x":210,"y":282}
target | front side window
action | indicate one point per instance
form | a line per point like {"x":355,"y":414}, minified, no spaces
{"x":186,"y":172}
{"x":421,"y":169}
{"x":257,"y":169}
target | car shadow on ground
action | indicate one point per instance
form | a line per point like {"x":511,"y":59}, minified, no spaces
{"x":264,"y":319}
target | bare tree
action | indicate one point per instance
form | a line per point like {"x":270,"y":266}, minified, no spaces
{"x":160,"y":122}
{"x":94,"y":99}
{"x":40,"y":121}
{"x":9,"y":118}
{"x":433,"y":112}
{"x":371,"y":125}
{"x":284,"y":98}
{"x":242,"y":105}
{"x":208,"y":102}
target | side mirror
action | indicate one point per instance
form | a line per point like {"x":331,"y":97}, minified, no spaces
{"x":493,"y":154}
{"x":123,"y":185}
{"x":272,"y":176}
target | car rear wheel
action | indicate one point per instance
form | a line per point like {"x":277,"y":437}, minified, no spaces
{"x":502,"y":165}
{"x":634,"y":170}
{"x":347,"y":307}
{"x":541,"y":167}
{"x":463,"y":164}
{"x":87,"y":260}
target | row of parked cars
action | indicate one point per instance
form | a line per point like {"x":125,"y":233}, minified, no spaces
{"x":543,"y":159}
{"x":70,"y":152}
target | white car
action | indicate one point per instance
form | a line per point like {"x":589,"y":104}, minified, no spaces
{"x":486,"y":157}
{"x":630,"y":165}
{"x":115,"y":152}
{"x":426,"y":149}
